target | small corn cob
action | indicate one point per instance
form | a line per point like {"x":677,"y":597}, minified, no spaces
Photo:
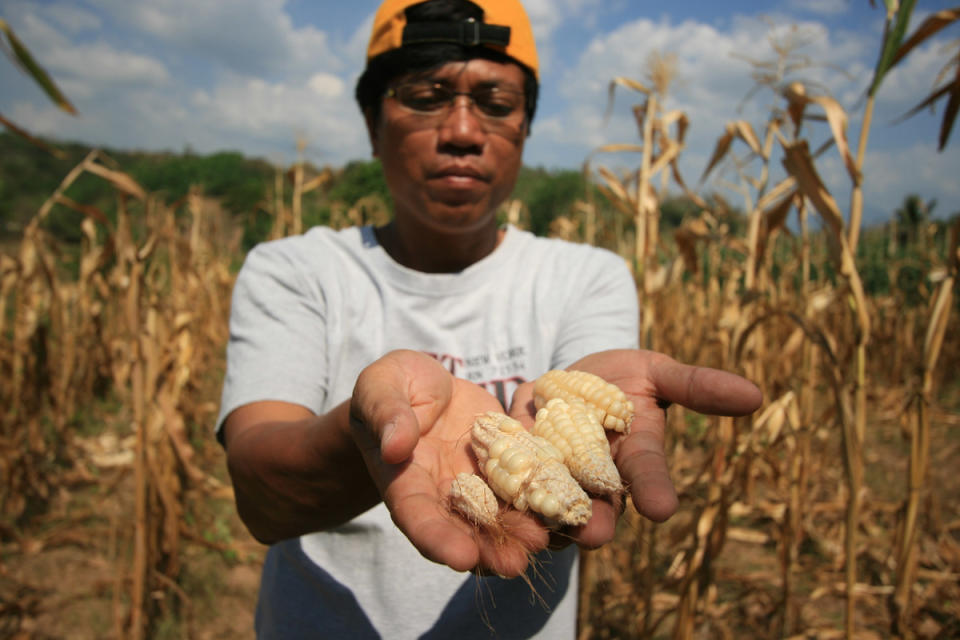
{"x":611,"y":405}
{"x":474,"y":498}
{"x":527,"y":471}
{"x":575,"y":431}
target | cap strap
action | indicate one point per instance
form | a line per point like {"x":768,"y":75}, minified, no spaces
{"x":469,"y":33}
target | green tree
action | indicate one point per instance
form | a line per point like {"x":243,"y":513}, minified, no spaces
{"x":359,"y":179}
{"x":912,"y":217}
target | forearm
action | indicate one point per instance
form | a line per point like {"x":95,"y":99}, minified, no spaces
{"x":295,"y":477}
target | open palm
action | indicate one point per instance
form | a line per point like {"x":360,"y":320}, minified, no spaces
{"x":652,"y":381}
{"x":412,"y":420}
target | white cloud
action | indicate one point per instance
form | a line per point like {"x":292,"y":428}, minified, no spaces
{"x":101,"y":65}
{"x":319,"y":110}
{"x":546,"y":15}
{"x":326,"y":85}
{"x":246,"y":36}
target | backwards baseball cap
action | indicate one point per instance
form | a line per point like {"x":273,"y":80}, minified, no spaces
{"x":505,"y":27}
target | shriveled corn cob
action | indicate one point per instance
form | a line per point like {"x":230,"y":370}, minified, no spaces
{"x":474,"y":498}
{"x":573,"y":429}
{"x":527,"y":471}
{"x":611,"y":405}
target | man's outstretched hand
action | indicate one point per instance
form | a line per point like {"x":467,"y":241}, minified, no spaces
{"x":652,"y":381}
{"x":411,"y":420}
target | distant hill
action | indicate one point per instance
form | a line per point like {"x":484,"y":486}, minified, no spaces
{"x":28,"y":175}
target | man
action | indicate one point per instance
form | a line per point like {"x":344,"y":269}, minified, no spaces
{"x":358,"y":359}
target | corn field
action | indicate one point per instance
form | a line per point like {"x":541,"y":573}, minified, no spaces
{"x":831,"y":512}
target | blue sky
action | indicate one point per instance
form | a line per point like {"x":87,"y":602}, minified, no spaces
{"x":256,"y":75}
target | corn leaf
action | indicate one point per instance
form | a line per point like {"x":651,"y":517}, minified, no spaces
{"x":835,"y":116}
{"x":746,"y":133}
{"x":619,"y":147}
{"x":950,"y":112}
{"x":34,"y":70}
{"x":891,"y":40}
{"x":799,"y":163}
{"x":624,"y":82}
{"x":776,"y":216}
{"x":86,"y":209}
{"x":930,"y":26}
{"x":719,"y":151}
{"x":670,"y":153}
{"x":933,"y":341}
{"x":686,"y":238}
{"x":119,"y":179}
{"x":796,"y":95}
{"x":680,"y":119}
{"x":773,"y":130}
{"x":317,"y":181}
{"x":627,"y":82}
{"x":951,"y":89}
{"x":837,"y":119}
{"x":782,"y":187}
{"x":32,"y":140}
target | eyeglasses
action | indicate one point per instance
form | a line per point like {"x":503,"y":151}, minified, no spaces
{"x":494,"y":105}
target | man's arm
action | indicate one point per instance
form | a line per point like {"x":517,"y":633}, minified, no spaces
{"x":294,"y":472}
{"x":403,"y":437}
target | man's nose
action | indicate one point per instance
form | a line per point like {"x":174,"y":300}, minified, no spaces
{"x":461,"y":126}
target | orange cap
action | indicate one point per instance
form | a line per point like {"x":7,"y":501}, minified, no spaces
{"x":390,"y":21}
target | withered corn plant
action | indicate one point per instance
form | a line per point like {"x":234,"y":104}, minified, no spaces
{"x":138,"y":309}
{"x":636,"y":195}
{"x":921,"y":398}
{"x":806,"y":345}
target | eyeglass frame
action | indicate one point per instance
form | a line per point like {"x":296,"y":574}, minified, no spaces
{"x":448,"y":105}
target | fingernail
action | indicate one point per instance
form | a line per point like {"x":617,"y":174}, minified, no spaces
{"x":388,"y":431}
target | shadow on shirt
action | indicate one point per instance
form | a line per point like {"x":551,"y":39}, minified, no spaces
{"x":497,"y":607}
{"x":482,"y":608}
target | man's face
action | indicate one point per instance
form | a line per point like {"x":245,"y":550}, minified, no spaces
{"x":451,"y":169}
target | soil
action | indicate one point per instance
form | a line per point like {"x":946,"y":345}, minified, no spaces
{"x":67,"y":574}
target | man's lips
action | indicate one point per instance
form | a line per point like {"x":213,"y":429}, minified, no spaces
{"x":460,"y":173}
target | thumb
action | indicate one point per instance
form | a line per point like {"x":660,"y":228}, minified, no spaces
{"x":381,"y":416}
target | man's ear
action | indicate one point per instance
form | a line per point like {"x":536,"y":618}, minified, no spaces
{"x":371,"y":131}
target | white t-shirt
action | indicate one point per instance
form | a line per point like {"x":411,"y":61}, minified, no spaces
{"x":310,"y":312}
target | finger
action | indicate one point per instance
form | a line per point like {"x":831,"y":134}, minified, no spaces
{"x":521,"y":405}
{"x":418,"y":511}
{"x":381,"y":418}
{"x":381,"y":410}
{"x":643,"y":466}
{"x":703,"y":389}
{"x":602,"y":526}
